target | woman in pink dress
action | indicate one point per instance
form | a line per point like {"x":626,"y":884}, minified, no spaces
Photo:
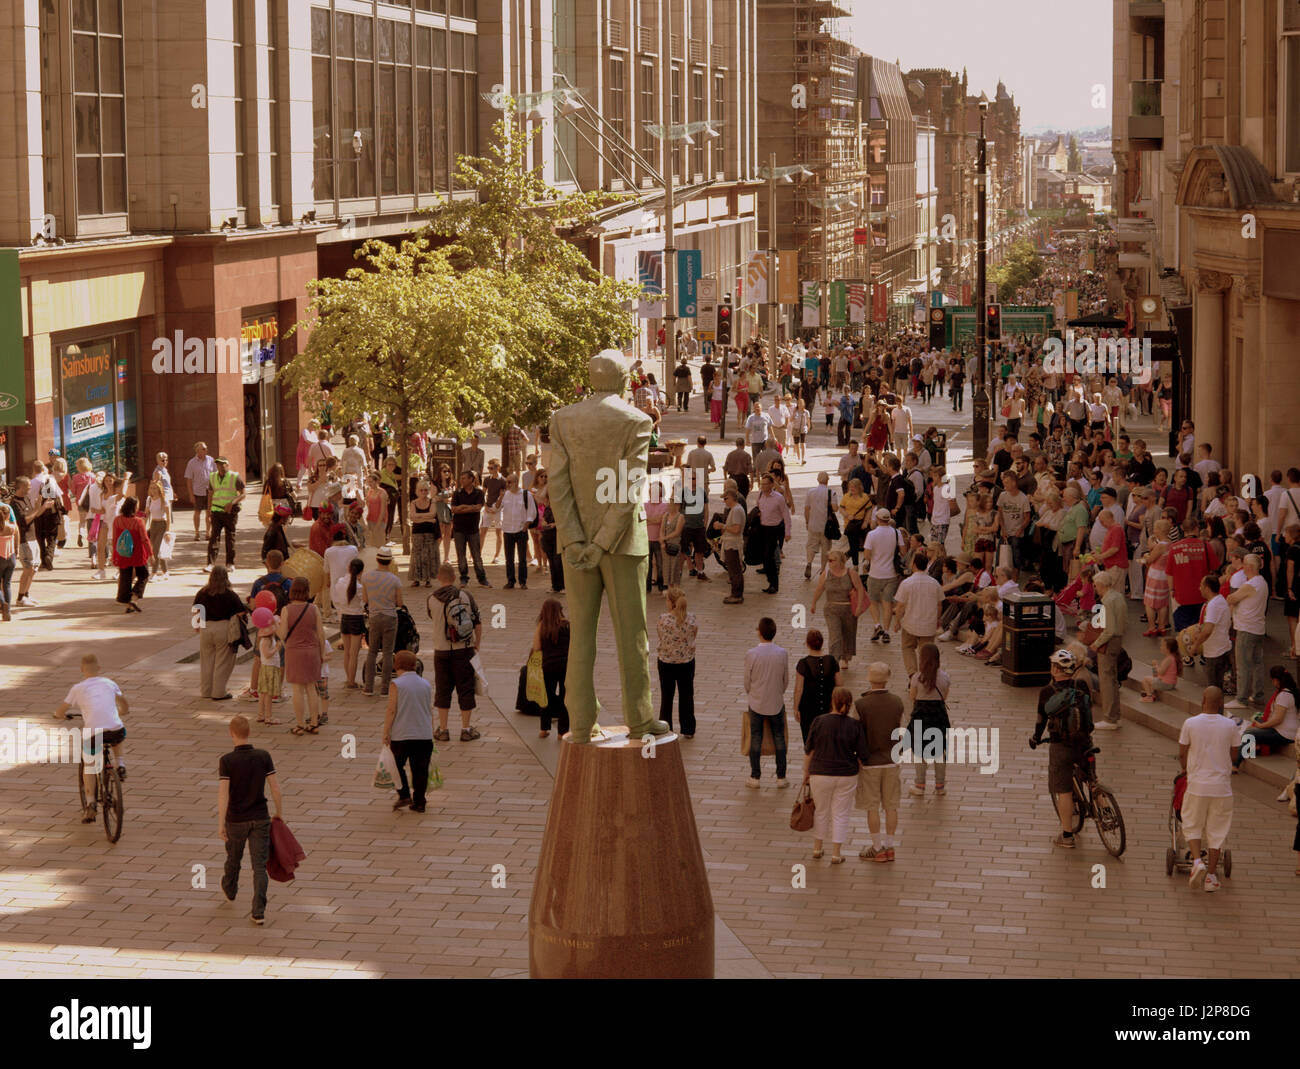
{"x":303,"y":635}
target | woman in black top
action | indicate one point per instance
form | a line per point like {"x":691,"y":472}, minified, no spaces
{"x":276,"y":536}
{"x":551,"y":637}
{"x":424,"y":537}
{"x":816,"y":676}
{"x":217,"y":603}
{"x":836,"y":747}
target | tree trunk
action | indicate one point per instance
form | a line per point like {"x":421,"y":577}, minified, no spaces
{"x":404,"y":452}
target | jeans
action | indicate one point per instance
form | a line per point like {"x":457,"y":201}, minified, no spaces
{"x":771,"y":542}
{"x":680,"y":677}
{"x":958,"y":394}
{"x":257,"y":834}
{"x":470,"y":539}
{"x":6,"y":578}
{"x":222,"y":521}
{"x":1017,"y":544}
{"x":655,"y":565}
{"x":757,"y":447}
{"x":517,"y":548}
{"x":756,"y":722}
{"x":1216,"y":669}
{"x":554,"y":709}
{"x":1250,"y":666}
{"x":419,"y":752}
{"x":381,"y":633}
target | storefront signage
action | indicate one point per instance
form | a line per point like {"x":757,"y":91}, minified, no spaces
{"x":13,"y":385}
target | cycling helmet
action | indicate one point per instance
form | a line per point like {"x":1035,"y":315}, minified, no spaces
{"x":1065,"y":659}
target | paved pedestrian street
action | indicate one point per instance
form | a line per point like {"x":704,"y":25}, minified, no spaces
{"x":977,"y":891}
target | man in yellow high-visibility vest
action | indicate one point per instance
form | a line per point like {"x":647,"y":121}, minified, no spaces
{"x":226,"y":494}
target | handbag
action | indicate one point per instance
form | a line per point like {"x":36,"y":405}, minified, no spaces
{"x":858,"y":601}
{"x":801,"y":816}
{"x":832,"y":528}
{"x":769,"y":740}
{"x":237,"y":633}
{"x":535,"y":689}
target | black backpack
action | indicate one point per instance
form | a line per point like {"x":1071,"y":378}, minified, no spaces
{"x":753,"y":550}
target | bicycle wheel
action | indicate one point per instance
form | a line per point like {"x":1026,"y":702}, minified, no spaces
{"x":1110,"y":821}
{"x":112,"y":790}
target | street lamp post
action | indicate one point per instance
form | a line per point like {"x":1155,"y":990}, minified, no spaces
{"x":980,"y":396}
{"x":772,"y":254}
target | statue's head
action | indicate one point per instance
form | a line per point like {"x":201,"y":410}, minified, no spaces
{"x":608,"y":372}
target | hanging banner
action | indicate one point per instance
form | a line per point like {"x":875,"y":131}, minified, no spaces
{"x":706,"y":312}
{"x":837,"y":304}
{"x":918,"y":307}
{"x":756,"y":277}
{"x":1071,"y":305}
{"x":812,"y":304}
{"x":690,"y":265}
{"x":966,"y":293}
{"x":650,"y":277}
{"x":787,"y":277}
{"x":936,"y":298}
{"x":13,"y":386}
{"x":857,"y":303}
{"x":879,"y":303}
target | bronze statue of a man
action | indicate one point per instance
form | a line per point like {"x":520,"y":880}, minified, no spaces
{"x":603,"y":541}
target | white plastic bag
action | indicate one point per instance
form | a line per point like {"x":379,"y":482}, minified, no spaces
{"x":480,"y":679}
{"x":165,"y":546}
{"x":386,"y":775}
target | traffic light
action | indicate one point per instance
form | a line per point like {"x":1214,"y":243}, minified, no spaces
{"x":724,"y":320}
{"x":993,"y":320}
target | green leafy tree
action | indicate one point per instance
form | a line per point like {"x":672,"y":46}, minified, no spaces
{"x":1073,"y":159}
{"x":409,"y":336}
{"x":563,"y":310}
{"x":1020,"y":267}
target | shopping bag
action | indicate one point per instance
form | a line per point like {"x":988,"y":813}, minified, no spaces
{"x":1136,"y":585}
{"x":480,"y":679}
{"x":386,"y":777}
{"x":536,"y":688}
{"x":166,"y":545}
{"x":769,"y":741}
{"x":1004,"y":555}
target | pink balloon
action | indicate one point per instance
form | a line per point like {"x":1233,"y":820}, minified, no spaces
{"x":262,"y":617}
{"x":265,"y":600}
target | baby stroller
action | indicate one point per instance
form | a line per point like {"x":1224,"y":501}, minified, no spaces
{"x":1177,"y":855}
{"x":408,"y":636}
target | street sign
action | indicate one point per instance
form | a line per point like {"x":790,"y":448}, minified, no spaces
{"x":706,"y":317}
{"x":861,"y":235}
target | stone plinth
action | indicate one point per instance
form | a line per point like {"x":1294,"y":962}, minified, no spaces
{"x":621,"y":888}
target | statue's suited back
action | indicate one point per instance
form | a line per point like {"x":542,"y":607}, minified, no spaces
{"x":603,"y":541}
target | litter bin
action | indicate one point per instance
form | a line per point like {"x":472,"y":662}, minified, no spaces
{"x":941,"y":449}
{"x":1028,"y":635}
{"x":445,"y":451}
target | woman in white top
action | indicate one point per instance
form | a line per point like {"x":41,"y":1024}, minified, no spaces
{"x":349,"y":599}
{"x":800,"y":425}
{"x":1278,"y":723}
{"x":110,"y":498}
{"x":159,"y":507}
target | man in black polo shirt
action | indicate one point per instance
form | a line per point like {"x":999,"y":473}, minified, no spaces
{"x":242,"y":814}
{"x":466,"y":506}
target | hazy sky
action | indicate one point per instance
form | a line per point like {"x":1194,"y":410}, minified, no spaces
{"x":1049,"y":54}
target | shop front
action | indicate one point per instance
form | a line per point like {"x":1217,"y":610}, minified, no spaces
{"x":259,"y":338}
{"x":95,"y":397}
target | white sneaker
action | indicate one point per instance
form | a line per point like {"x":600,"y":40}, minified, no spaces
{"x":916,"y":788}
{"x":99,"y":575}
{"x":1211,"y":884}
{"x":1234,"y":704}
{"x":751,"y":783}
{"x":783,"y":783}
{"x":207,"y":567}
{"x":1198,"y":874}
{"x":1106,"y":725}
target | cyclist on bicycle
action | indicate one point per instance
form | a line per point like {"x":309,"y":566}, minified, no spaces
{"x":101,"y":705}
{"x":1068,"y":723}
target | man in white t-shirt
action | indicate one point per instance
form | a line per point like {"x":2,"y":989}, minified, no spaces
{"x":337,"y":557}
{"x":1207,"y":749}
{"x":1249,"y":608}
{"x":816,"y":506}
{"x":882,"y":578}
{"x":900,"y":419}
{"x":101,"y":705}
{"x":1205,"y":462}
{"x":1212,"y":638}
{"x":197,"y":473}
{"x":917,"y":606}
{"x":1286,"y":510}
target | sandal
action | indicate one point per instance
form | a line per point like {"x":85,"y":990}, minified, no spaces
{"x":313,"y":727}
{"x":817,"y":855}
{"x":272,"y":722}
{"x":297,"y":729}
{"x":838,"y":859}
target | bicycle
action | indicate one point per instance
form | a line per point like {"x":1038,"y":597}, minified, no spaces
{"x":108,"y":790}
{"x":1094,"y":799}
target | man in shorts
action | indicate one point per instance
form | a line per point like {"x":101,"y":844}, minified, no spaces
{"x":197,"y":473}
{"x":1063,"y":753}
{"x":879,"y":782}
{"x":882,"y":577}
{"x":453,"y":665}
{"x":494,"y":488}
{"x":1208,"y":748}
{"x":100,"y":702}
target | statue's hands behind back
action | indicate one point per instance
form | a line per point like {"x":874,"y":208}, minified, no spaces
{"x":582,"y":555}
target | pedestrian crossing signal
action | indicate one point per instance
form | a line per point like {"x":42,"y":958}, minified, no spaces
{"x":724,"y":321}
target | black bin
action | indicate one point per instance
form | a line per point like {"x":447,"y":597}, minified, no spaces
{"x":1028,"y":635}
{"x":445,"y":451}
{"x":941,"y":449}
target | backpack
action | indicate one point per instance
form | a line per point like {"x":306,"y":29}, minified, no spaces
{"x":459,"y":620}
{"x":1071,"y":710}
{"x":125,"y":545}
{"x":753,"y":550}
